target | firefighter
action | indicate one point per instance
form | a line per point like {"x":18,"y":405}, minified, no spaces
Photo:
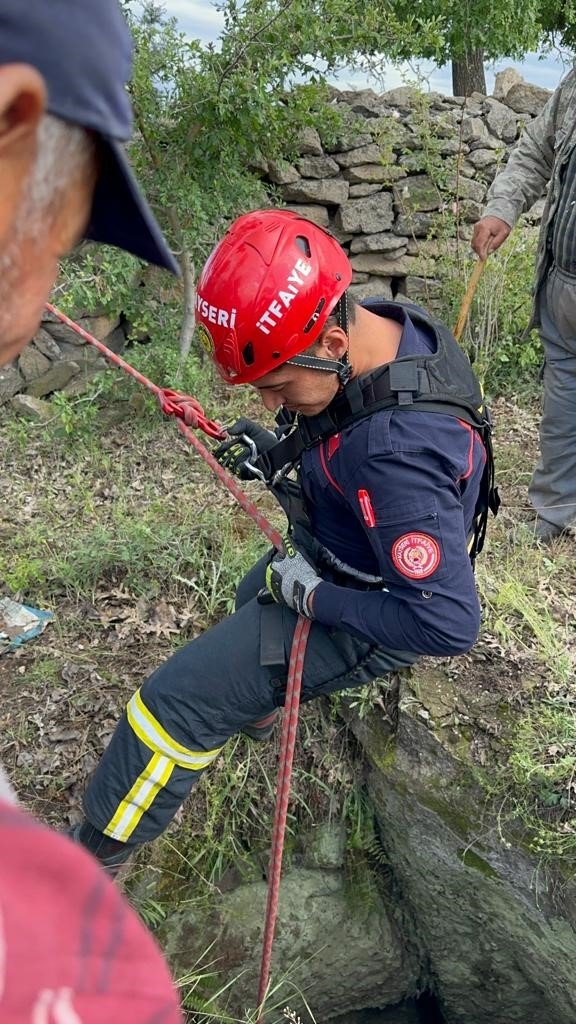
{"x":383,"y":421}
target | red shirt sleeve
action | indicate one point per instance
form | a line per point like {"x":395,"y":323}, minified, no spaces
{"x":72,"y":951}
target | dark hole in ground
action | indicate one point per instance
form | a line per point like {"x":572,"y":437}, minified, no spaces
{"x":424,"y":1010}
{"x":428,"y":1009}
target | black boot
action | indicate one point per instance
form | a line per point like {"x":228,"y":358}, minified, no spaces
{"x":111,"y":854}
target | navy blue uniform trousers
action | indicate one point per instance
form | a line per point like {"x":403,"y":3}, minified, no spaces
{"x":178,"y":721}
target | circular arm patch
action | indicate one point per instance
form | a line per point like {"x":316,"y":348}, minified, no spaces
{"x":416,"y":555}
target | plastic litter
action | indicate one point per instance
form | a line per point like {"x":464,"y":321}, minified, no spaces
{"x":19,"y":623}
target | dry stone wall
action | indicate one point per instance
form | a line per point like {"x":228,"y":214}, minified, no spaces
{"x":401,"y":186}
{"x":407,"y":178}
{"x":57,"y":359}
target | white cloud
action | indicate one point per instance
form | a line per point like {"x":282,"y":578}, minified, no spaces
{"x":198,"y":18}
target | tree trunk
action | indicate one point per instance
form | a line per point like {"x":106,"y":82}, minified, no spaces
{"x":468,"y":74}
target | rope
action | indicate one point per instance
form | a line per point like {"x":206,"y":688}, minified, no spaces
{"x":172,"y":403}
{"x":189,"y":413}
{"x":287,"y":744}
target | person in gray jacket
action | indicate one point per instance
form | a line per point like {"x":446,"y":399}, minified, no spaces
{"x":546,"y":153}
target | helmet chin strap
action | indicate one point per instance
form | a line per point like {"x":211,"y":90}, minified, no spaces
{"x":341,"y":367}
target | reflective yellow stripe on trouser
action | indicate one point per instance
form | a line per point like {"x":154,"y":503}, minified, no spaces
{"x":167,"y":753}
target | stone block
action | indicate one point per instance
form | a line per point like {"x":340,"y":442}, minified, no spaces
{"x":349,"y":140}
{"x":393,"y":264}
{"x":469,"y":211}
{"x":373,"y":288}
{"x":45,"y":343}
{"x":467,"y":188}
{"x":54,"y":380}
{"x":433,"y":248}
{"x":369,"y":154}
{"x":31,"y":408}
{"x":527,"y":99}
{"x":482,"y":158}
{"x":385,"y":174}
{"x":416,"y":194}
{"x":475,"y":132}
{"x":370,"y":173}
{"x":467,"y":169}
{"x":80,"y":384}
{"x":32,"y":363}
{"x":364,"y":188}
{"x":11,"y":381}
{"x":341,"y":236}
{"x":331,"y":191}
{"x":451,"y":147}
{"x":380,"y":242}
{"x":422,"y":289}
{"x":325,"y":846}
{"x":404,"y":97}
{"x":389,"y":132}
{"x":317,"y":166}
{"x":62,"y":333}
{"x":419,"y":225}
{"x":363,"y":102}
{"x":99,"y":326}
{"x":317,"y":214}
{"x":364,"y":960}
{"x":366,"y":216}
{"x":81,"y":354}
{"x":504,"y":81}
{"x":281,"y":172}
{"x":377,"y":264}
{"x":309,"y":142}
{"x":415,"y":162}
{"x":500,"y":121}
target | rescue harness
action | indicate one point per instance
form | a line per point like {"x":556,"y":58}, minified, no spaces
{"x":441,"y":381}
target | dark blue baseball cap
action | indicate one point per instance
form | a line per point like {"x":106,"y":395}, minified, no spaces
{"x":83,"y":50}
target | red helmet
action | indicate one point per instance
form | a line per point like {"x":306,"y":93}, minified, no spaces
{"x":266,"y":292}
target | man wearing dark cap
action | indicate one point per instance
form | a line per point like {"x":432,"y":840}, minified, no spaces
{"x":64,"y":114}
{"x":71,"y":949}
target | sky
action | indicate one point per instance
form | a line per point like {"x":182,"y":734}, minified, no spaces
{"x":201,"y":20}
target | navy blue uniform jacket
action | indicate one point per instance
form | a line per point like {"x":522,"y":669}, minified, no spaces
{"x":394,"y":496}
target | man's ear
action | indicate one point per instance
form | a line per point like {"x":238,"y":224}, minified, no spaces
{"x":333,"y":343}
{"x":22,"y":105}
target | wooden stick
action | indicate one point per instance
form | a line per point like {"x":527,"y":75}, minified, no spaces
{"x":467,"y":300}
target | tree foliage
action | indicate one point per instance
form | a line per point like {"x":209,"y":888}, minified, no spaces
{"x":469,"y":32}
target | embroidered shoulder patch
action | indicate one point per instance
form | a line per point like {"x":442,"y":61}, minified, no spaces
{"x":416,"y":555}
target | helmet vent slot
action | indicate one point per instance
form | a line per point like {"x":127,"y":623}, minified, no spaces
{"x":315,"y":315}
{"x":304,"y":245}
{"x":248,"y":354}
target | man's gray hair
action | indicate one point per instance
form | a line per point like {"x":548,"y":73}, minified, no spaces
{"x":63,"y":148}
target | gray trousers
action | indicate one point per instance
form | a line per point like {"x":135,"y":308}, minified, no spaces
{"x":552,"y":490}
{"x":177,"y":723}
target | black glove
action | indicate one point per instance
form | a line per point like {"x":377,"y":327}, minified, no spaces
{"x":247,"y":441}
{"x":291,"y":579}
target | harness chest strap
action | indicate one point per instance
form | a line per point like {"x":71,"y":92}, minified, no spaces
{"x":440,"y":382}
